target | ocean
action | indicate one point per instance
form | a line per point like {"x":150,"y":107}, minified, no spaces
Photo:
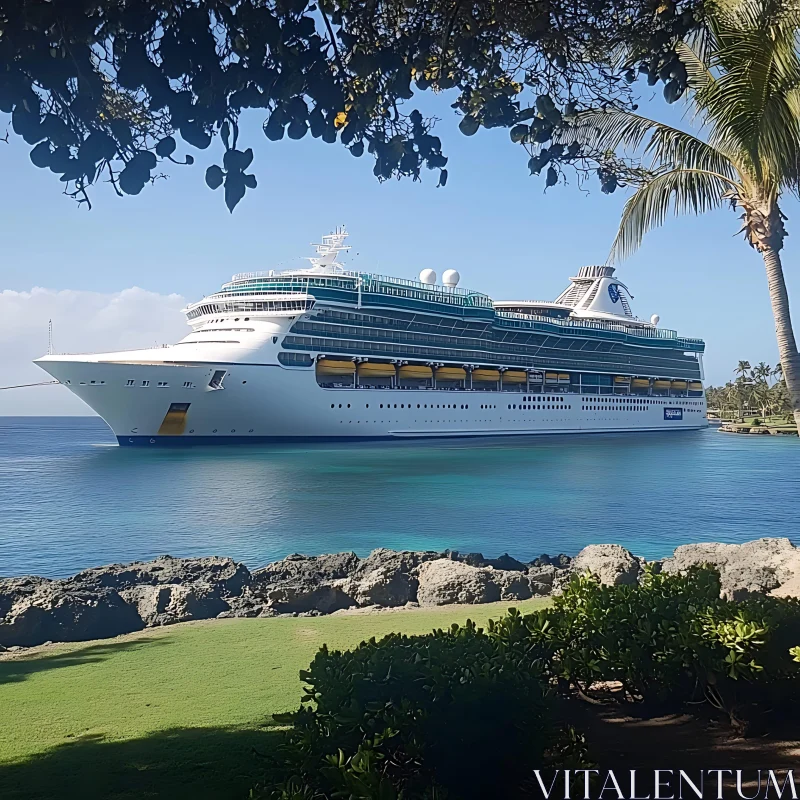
{"x":71,"y":499}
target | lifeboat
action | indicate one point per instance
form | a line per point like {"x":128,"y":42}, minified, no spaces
{"x":327,"y":366}
{"x":374,"y":369}
{"x":695,"y":386}
{"x":551,"y":377}
{"x":678,"y":384}
{"x":563,"y":377}
{"x":512,"y":376}
{"x":451,"y":374}
{"x":488,"y":375}
{"x":640,"y":383}
{"x":415,"y":371}
{"x":622,"y":379}
{"x":661,"y":384}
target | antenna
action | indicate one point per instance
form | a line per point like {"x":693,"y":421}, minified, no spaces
{"x":50,"y":337}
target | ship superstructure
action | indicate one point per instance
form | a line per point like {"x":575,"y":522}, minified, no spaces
{"x":326,"y":352}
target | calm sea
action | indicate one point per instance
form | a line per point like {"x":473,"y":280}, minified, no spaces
{"x":70,"y":498}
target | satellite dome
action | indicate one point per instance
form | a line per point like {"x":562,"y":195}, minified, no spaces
{"x":427,"y":276}
{"x":654,"y":320}
{"x":450,"y":278}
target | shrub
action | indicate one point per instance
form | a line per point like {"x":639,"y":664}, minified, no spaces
{"x":664,"y":639}
{"x":449,"y":714}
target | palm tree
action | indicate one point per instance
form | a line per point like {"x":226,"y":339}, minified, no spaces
{"x":744,"y":94}
{"x":743,"y":369}
{"x":762,"y":372}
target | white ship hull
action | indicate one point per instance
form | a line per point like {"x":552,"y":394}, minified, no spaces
{"x":270,"y":402}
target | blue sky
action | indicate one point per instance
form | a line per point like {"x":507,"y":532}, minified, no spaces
{"x":493,"y":222}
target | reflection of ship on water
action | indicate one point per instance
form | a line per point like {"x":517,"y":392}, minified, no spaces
{"x":329,"y":353}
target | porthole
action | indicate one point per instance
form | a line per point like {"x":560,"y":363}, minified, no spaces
{"x":348,"y":405}
{"x":333,"y":405}
{"x":192,"y":430}
{"x":233,"y":430}
{"x":214,"y":431}
{"x":250,"y":431}
{"x":340,"y":405}
{"x":381,"y":405}
{"x":367,"y":406}
{"x":244,"y":382}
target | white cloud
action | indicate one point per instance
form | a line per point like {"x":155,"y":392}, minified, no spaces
{"x":83,"y":322}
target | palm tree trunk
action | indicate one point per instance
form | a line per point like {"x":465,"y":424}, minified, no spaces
{"x":787,"y":345}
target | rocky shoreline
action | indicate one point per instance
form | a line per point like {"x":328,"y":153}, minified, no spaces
{"x":109,"y":601}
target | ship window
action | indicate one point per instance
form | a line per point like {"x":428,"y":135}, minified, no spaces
{"x":145,"y":383}
{"x":217,"y":378}
{"x":130,"y":382}
{"x":163,"y":384}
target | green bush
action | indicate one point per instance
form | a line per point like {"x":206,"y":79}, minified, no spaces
{"x":464,"y":713}
{"x":665,"y":640}
{"x":450,"y":714}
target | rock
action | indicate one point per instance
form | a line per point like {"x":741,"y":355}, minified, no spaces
{"x":14,"y":589}
{"x":444,"y":581}
{"x":54,"y":612}
{"x":612,"y":564}
{"x":561,"y":561}
{"x":301,"y":598}
{"x":298,"y":569}
{"x":790,"y":588}
{"x":763,"y":565}
{"x":299,"y":584}
{"x":167,"y":604}
{"x":387,"y":577}
{"x":506,"y":562}
{"x":513,"y":585}
{"x":230,"y":576}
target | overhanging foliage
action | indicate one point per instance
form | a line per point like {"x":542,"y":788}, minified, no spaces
{"x":109,"y":87}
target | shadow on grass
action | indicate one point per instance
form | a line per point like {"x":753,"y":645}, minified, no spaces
{"x":177,"y":763}
{"x":18,"y":669}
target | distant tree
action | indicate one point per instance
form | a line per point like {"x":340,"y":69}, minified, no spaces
{"x":110,"y":87}
{"x":762,"y":372}
{"x":743,"y":370}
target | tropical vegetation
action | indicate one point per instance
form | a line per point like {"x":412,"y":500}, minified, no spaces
{"x":467,"y":713}
{"x":119,"y":88}
{"x":755,"y":391}
{"x":742,"y":76}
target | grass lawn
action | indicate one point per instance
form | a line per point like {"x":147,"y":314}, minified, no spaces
{"x":182,"y":711}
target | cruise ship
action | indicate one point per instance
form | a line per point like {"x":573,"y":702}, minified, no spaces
{"x":328,"y":353}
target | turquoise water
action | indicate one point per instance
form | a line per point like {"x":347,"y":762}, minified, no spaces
{"x":72,"y":499}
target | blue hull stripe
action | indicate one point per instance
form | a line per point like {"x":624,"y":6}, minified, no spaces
{"x":205,"y":441}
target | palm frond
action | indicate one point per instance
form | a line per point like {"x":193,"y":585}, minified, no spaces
{"x":749,"y":107}
{"x":677,"y":191}
{"x":692,"y":57}
{"x":614,"y":130}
